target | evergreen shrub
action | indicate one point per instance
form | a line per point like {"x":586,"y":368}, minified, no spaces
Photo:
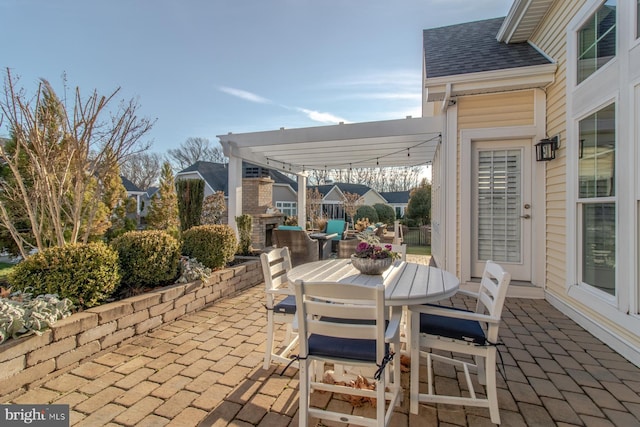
{"x":87,"y":274}
{"x":368,"y":212}
{"x":148,"y":258}
{"x":212,"y":245}
{"x":386,"y":213}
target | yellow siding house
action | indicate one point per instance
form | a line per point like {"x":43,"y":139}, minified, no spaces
{"x":563,"y":76}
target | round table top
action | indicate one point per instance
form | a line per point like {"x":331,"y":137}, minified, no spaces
{"x":405,"y":283}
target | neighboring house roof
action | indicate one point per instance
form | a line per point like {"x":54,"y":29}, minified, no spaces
{"x":359,"y":189}
{"x":130,"y":186}
{"x":151,"y":191}
{"x":472,"y":47}
{"x":217,"y":175}
{"x":396,"y":197}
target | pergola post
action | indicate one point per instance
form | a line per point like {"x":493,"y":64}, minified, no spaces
{"x":234,"y":208}
{"x":302,"y":200}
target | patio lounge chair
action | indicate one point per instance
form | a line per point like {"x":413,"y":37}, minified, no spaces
{"x":303,"y":249}
{"x":346,"y":324}
{"x":461,"y":332}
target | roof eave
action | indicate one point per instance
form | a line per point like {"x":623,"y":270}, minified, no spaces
{"x":535,"y":76}
{"x":524,"y":16}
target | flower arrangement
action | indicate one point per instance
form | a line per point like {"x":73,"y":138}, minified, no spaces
{"x":362,"y":224}
{"x":370,"y":247}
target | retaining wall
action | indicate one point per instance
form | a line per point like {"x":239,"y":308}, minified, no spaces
{"x":85,"y":335}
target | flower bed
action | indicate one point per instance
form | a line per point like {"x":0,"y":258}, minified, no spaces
{"x":81,"y":336}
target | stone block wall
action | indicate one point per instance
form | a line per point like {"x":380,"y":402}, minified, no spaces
{"x":85,"y":335}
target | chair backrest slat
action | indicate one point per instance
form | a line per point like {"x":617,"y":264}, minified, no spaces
{"x":275,"y":265}
{"x":492,"y":294}
{"x":342,"y":330}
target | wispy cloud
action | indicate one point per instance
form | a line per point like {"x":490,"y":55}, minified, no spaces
{"x":390,"y":79}
{"x":393,"y":85}
{"x":246,"y":95}
{"x":318,"y":116}
{"x":409,"y":96}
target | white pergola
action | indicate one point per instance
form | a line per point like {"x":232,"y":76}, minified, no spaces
{"x":404,"y":142}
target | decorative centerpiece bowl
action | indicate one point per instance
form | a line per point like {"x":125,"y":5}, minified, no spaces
{"x":371,"y":266}
{"x":371,"y":257}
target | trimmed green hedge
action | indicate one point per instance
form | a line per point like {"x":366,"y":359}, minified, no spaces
{"x":148,"y":258}
{"x":212,"y":245}
{"x":86,"y":274}
{"x":386,"y":213}
{"x":366,"y":211}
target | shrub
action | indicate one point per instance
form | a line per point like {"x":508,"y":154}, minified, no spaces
{"x":366,"y":211}
{"x":244,"y":224}
{"x":190,"y":198}
{"x":212,"y":245}
{"x":87,"y":274}
{"x":148,"y":258}
{"x":386,"y":213}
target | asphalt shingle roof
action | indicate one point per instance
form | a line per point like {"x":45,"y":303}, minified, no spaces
{"x":359,"y":189}
{"x":217,"y":175}
{"x":472,"y":47}
{"x":130,"y":186}
{"x":396,"y":196}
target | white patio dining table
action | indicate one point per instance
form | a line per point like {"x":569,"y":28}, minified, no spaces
{"x":405,"y":283}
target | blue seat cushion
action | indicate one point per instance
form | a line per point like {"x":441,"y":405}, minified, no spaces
{"x":450,"y":327}
{"x":343,"y":348}
{"x":286,"y":306}
{"x":289,"y":227}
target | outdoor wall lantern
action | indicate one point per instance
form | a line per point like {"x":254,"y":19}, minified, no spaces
{"x":546,"y":149}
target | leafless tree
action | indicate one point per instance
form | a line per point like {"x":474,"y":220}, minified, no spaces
{"x":194,"y":150}
{"x":380,"y":179}
{"x":142,"y":169}
{"x":61,"y":161}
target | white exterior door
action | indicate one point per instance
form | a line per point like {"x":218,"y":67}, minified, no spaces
{"x":501,"y":207}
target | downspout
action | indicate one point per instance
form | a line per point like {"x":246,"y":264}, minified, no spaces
{"x":448,"y":183}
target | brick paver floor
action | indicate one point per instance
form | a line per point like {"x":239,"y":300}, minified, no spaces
{"x":206,"y":369}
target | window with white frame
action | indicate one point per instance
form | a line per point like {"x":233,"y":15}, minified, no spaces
{"x":288,"y":208}
{"x":597,"y":40}
{"x":596,"y":199}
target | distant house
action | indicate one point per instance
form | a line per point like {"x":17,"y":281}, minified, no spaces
{"x":216,"y":178}
{"x":333,"y":197}
{"x":134,"y":192}
{"x":399,"y":200}
{"x":146,"y":200}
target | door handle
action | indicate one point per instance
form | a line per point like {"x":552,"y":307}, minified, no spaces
{"x":525,"y":216}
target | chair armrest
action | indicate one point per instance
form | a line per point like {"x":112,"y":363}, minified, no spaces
{"x":453,"y":313}
{"x":468,"y":293}
{"x":393,"y":327}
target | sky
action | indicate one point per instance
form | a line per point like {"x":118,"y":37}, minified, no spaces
{"x":202,"y":68}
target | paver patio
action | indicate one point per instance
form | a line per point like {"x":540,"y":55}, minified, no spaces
{"x":206,"y":369}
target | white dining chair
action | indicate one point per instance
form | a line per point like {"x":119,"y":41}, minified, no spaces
{"x":275,"y":265}
{"x":347,"y":324}
{"x":461,"y":332}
